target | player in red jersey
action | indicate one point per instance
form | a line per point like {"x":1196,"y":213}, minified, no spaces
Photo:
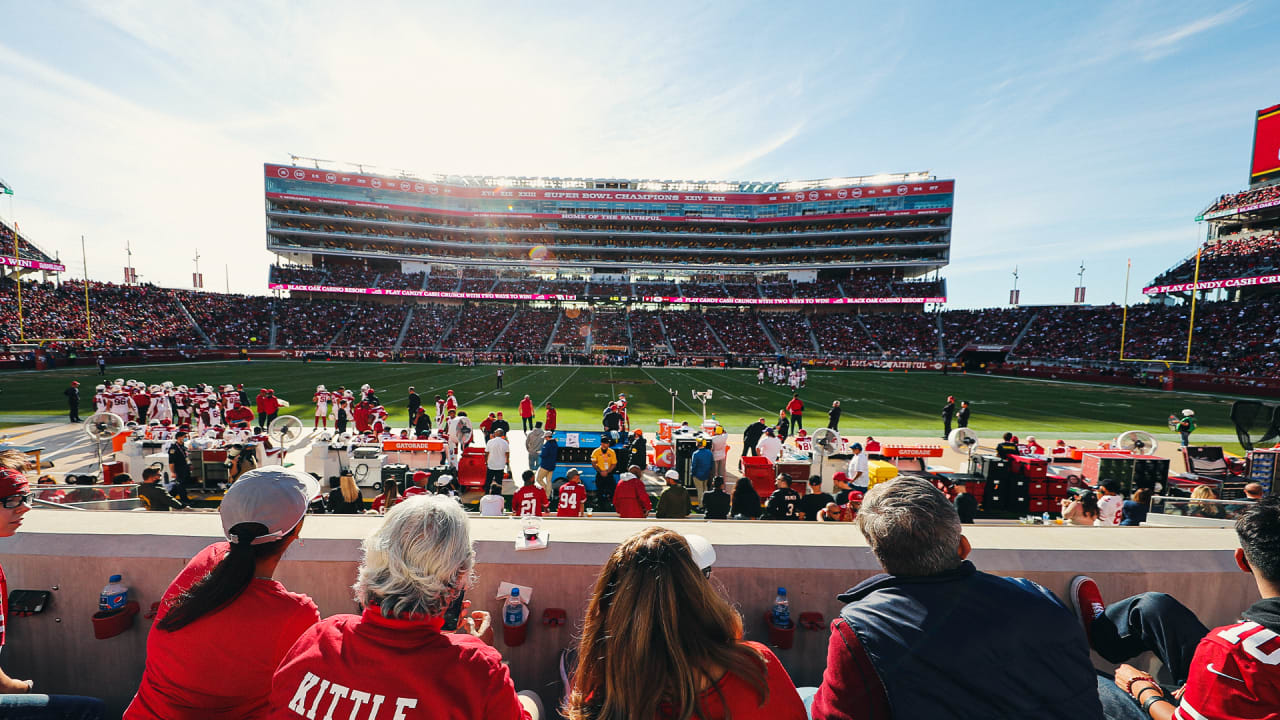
{"x":572,"y":497}
{"x":1231,"y":671}
{"x":529,"y":499}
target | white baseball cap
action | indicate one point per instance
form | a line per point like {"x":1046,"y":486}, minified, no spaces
{"x":704,"y":553}
{"x":444,"y":480}
{"x":626,"y":476}
{"x":273,"y":496}
{"x":672,"y":475}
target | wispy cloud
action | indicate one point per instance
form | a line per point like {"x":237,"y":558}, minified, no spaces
{"x":1166,"y":43}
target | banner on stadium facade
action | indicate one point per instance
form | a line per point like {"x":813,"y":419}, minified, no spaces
{"x":33,"y":264}
{"x":896,"y":364}
{"x":1213,"y":284}
{"x":421,"y":187}
{"x":599,"y":216}
{"x":451,"y":295}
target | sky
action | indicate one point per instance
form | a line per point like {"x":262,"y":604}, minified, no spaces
{"x":1076,"y":132}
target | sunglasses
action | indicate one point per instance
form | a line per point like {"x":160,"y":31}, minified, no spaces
{"x":16,"y":501}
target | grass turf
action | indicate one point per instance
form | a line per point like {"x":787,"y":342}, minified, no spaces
{"x":874,"y":402}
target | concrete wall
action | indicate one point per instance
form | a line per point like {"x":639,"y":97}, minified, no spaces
{"x":74,"y":552}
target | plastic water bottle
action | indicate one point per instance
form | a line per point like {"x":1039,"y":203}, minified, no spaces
{"x":782,"y":609}
{"x":114,"y":595}
{"x":1045,"y":517}
{"x":514,"y":612}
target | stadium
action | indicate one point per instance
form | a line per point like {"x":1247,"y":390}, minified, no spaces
{"x":406,"y":322}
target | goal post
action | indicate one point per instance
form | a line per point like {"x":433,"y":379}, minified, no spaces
{"x":22,"y":328}
{"x":1191,"y":319}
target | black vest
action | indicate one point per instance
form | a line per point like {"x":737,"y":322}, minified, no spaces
{"x":965,"y":644}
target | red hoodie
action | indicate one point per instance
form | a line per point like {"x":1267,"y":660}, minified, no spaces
{"x":630,"y":499}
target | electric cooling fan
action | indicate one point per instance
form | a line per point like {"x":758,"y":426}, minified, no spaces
{"x":1137,"y":442}
{"x":102,"y":426}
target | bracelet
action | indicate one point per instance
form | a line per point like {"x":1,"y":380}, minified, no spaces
{"x":1128,"y":687}
{"x":1151,"y":701}
{"x":1153,"y":688}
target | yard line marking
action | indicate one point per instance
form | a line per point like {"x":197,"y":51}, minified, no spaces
{"x":668,"y":389}
{"x":495,"y":391}
{"x":547,"y":399}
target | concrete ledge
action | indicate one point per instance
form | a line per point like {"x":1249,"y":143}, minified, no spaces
{"x":75,"y":552}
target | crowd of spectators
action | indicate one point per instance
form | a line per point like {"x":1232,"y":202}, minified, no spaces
{"x":575,"y":326}
{"x":908,"y":336}
{"x":790,"y":330}
{"x":740,"y":331}
{"x":1243,"y":255}
{"x":530,"y":330}
{"x":120,"y":316}
{"x":304,"y":323}
{"x":841,"y":333}
{"x":477,"y":327}
{"x":429,"y":323}
{"x":646,"y":331}
{"x":689,"y":333}
{"x":373,"y":325}
{"x":26,"y":249}
{"x":232,"y":320}
{"x":609,"y":328}
{"x":992,"y":326}
{"x":1246,"y":197}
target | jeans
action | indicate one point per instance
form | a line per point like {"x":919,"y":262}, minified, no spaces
{"x":1186,"y":438}
{"x":535,"y":459}
{"x":1152,"y":622}
{"x":50,"y":707}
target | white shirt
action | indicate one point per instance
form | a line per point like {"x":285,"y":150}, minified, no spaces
{"x":769,"y":447}
{"x":719,"y":447}
{"x":497,"y":450}
{"x":492,"y":506}
{"x":858,"y":464}
{"x":1109,"y":510}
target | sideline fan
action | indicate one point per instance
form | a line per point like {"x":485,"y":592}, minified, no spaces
{"x":1227,"y":672}
{"x":224,"y":611}
{"x":659,"y":642}
{"x":396,"y":653}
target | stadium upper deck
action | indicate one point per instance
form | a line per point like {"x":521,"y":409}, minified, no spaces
{"x":611,"y":225}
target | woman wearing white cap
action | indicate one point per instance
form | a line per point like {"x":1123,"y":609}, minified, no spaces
{"x":224,"y":624}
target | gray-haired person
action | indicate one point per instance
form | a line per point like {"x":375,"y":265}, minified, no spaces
{"x":897,"y":646}
{"x":416,"y":564}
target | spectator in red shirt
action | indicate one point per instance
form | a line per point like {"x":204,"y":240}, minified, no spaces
{"x":796,"y":409}
{"x":224,"y":610}
{"x":261,"y":403}
{"x":630,"y":498}
{"x":1226,"y":672}
{"x":239,"y":413}
{"x":526,"y":414}
{"x":415,"y":566}
{"x":389,"y":498}
{"x":550,"y":422}
{"x":572,"y":496}
{"x":419,"y":484}
{"x":529,"y":499}
{"x":684,"y":656}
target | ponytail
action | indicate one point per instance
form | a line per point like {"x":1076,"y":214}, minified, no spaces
{"x":225,"y":581}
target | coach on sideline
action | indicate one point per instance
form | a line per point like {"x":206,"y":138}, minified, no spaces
{"x":910,"y":644}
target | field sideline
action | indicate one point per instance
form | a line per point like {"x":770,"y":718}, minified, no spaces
{"x":874,"y":402}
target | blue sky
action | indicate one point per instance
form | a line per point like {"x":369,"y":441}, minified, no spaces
{"x":1075,"y":132}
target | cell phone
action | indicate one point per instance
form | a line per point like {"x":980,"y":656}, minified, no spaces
{"x":454,"y":613}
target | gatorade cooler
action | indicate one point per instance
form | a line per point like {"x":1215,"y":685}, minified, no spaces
{"x":471,"y":468}
{"x":664,"y":429}
{"x":664,"y":454}
{"x":760,"y":472}
{"x":879,"y":471}
{"x":110,"y":470}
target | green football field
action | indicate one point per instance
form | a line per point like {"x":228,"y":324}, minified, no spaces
{"x":874,"y":402}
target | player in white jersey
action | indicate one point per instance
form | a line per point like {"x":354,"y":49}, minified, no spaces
{"x":120,"y":404}
{"x":159,"y":410}
{"x":321,"y":400}
{"x":100,"y":399}
{"x":804,"y":376}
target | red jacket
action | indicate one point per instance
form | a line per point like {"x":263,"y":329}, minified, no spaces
{"x":550,"y":424}
{"x":795,"y":407}
{"x":369,"y":666}
{"x":526,"y":408}
{"x":630,"y":499}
